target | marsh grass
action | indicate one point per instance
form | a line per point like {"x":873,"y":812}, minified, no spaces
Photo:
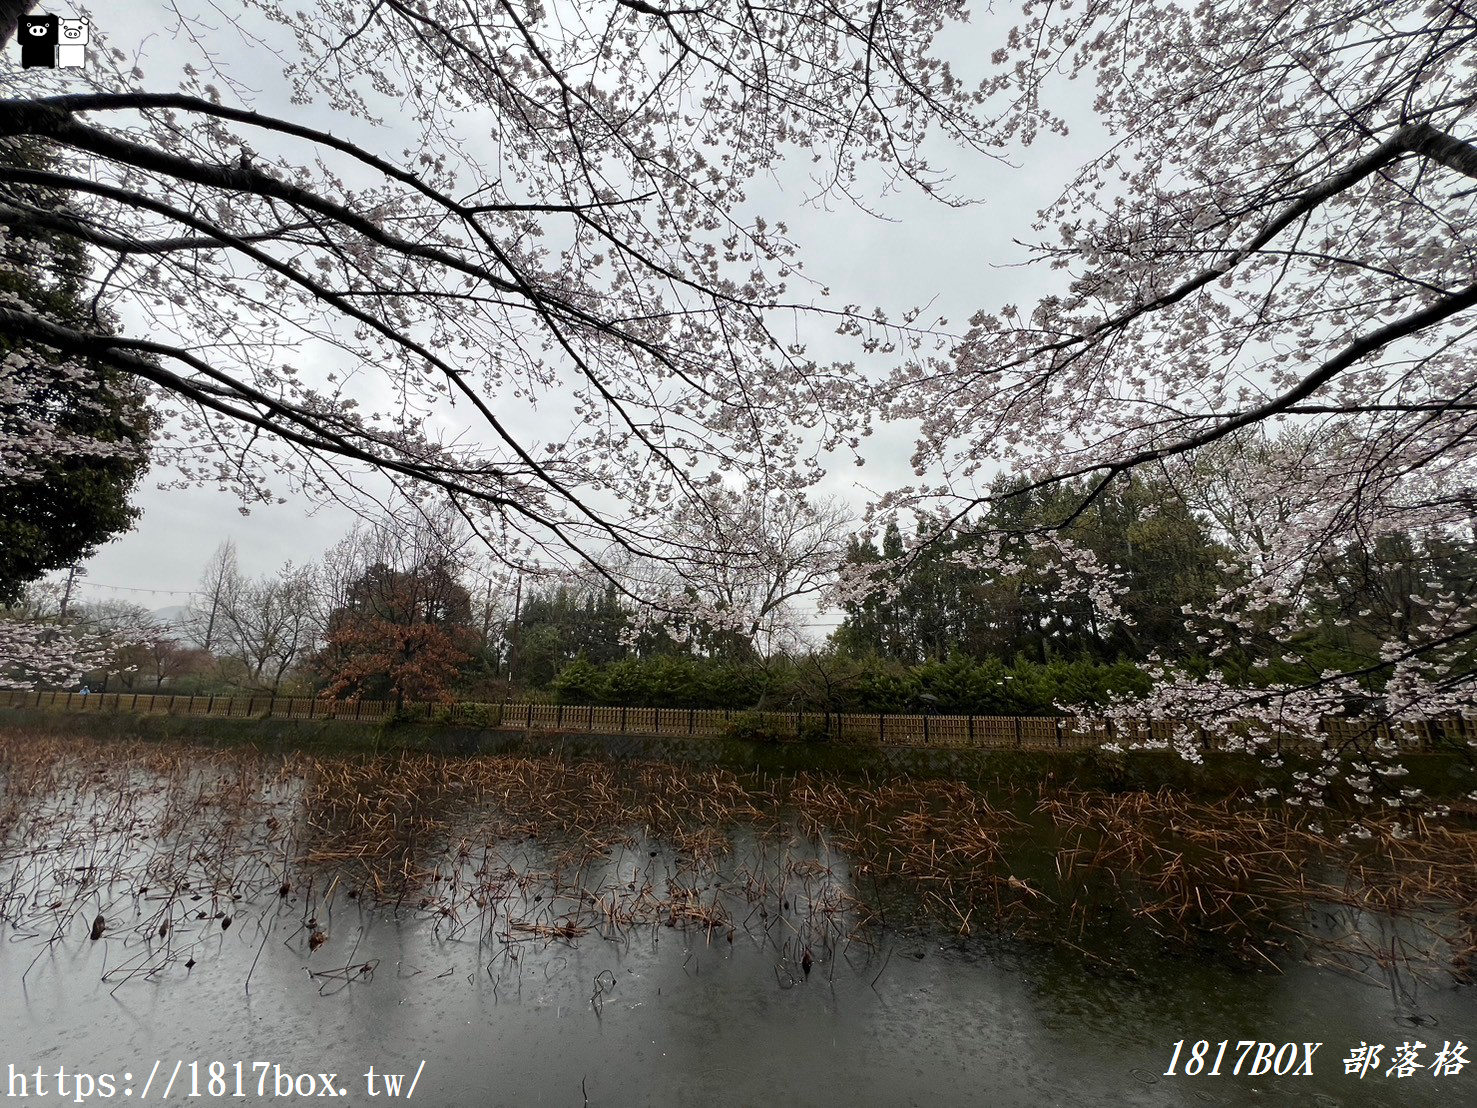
{"x":170,"y":845}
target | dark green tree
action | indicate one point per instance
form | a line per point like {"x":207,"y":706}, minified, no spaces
{"x":1367,"y":593}
{"x":557,"y":625}
{"x":942,"y":607}
{"x":87,"y":426}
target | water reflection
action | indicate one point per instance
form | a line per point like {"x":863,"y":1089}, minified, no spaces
{"x":610,"y":964}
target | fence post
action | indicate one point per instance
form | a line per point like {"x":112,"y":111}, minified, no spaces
{"x":690,"y":718}
{"x":925,"y":730}
{"x":1017,"y":732}
{"x":971,"y":728}
{"x":623,"y":717}
{"x":528,"y":724}
{"x":590,"y":718}
{"x":881,"y":733}
{"x":559,"y":717}
{"x":312,"y":706}
{"x":1059,"y":732}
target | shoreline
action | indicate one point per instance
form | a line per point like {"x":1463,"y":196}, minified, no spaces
{"x":1440,"y":774}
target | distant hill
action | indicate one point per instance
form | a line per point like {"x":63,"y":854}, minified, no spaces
{"x":172,"y":616}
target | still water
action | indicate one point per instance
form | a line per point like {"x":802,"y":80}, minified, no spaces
{"x":798,"y":1006}
{"x":672,"y":1018}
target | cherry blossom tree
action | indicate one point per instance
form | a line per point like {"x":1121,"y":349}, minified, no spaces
{"x":488,"y":213}
{"x":40,"y":654}
{"x":1277,"y":240}
{"x":567,"y":228}
{"x":40,"y":647}
{"x":1274,"y":247}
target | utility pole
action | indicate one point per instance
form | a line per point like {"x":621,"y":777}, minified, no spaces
{"x":73,"y":573}
{"x":487,"y":614}
{"x":517,"y":627}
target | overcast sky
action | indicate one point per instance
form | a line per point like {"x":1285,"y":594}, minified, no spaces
{"x":956,"y":260}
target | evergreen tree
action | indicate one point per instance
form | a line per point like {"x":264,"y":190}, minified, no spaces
{"x":88,"y":425}
{"x":1140,"y":528}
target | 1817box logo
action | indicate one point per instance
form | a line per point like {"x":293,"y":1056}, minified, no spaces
{"x":50,"y":41}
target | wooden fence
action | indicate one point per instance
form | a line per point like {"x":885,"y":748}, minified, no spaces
{"x":966,"y":731}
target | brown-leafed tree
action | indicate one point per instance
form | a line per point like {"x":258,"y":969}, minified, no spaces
{"x":403,"y":634}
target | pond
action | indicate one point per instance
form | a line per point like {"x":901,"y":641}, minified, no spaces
{"x":568,"y":945}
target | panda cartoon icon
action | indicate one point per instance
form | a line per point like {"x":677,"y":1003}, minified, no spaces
{"x":39,"y":35}
{"x":71,"y":50}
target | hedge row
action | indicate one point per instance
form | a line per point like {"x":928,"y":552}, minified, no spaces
{"x":955,"y":686}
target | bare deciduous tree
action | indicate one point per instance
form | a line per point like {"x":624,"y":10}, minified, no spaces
{"x":220,"y":577}
{"x":268,"y":625}
{"x":740,"y":562}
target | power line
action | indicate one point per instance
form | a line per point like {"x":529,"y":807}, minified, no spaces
{"x":88,"y":583}
{"x":129,"y":588}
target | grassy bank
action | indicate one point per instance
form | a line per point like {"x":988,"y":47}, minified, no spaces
{"x":1220,"y":774}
